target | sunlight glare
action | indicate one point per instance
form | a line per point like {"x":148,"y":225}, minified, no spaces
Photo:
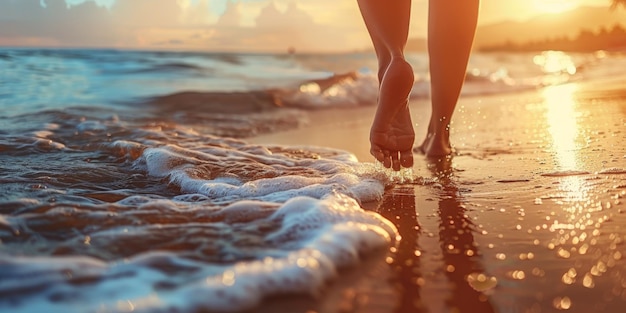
{"x":563,"y":127}
{"x":554,"y":6}
{"x":562,"y":124}
{"x":559,"y":66}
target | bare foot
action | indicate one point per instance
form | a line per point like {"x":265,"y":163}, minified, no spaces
{"x":436,"y":144}
{"x":434,"y":147}
{"x":392,"y":135}
{"x":393,"y":147}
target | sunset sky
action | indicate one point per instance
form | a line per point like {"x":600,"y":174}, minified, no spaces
{"x":221,"y":25}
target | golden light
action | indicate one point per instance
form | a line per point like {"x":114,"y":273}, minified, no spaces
{"x":562,"y":124}
{"x":557,"y":64}
{"x":563,"y":127}
{"x":554,"y":6}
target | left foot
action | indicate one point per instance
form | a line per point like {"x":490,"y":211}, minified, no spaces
{"x":436,"y":144}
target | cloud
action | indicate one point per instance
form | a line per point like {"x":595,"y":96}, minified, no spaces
{"x":231,"y":17}
{"x":279,"y":26}
{"x":126,"y":23}
{"x":236,"y":25}
{"x":86,"y":24}
{"x":261,"y":25}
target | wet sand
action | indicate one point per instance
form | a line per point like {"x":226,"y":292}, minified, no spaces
{"x":528,"y":217}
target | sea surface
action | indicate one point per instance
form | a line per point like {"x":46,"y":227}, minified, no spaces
{"x":126,"y":183}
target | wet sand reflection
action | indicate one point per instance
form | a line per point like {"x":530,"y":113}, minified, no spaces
{"x":399,"y":206}
{"x":461,"y":258}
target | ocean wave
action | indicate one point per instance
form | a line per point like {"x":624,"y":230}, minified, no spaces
{"x":108,"y":77}
{"x":117,"y":214}
{"x":179,"y":68}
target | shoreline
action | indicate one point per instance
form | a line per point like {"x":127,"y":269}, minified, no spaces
{"x":490,"y":233}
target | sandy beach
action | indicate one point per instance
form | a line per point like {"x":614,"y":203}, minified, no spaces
{"x":528,"y":217}
{"x":152,"y":186}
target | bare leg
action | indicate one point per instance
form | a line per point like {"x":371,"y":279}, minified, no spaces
{"x":451,"y":27}
{"x":391,"y":135}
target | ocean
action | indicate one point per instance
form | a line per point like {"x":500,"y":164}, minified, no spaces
{"x":127,"y":184}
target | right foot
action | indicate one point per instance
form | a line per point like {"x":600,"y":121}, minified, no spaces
{"x":393,"y":147}
{"x":392,"y":135}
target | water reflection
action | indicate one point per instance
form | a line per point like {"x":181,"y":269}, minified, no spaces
{"x":564,"y":130}
{"x":461,"y":257}
{"x":460,"y":252}
{"x":399,"y":206}
{"x":558,"y":66}
{"x":584,"y":242}
{"x":553,"y":62}
{"x":562,"y":124}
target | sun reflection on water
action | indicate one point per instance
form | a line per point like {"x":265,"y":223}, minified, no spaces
{"x":559,"y":66}
{"x":579,"y":223}
{"x":562,"y":124}
{"x":555,"y":62}
{"x":564,"y":130}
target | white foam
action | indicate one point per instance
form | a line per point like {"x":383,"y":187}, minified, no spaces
{"x":187,"y":170}
{"x":348,"y":92}
{"x":296,"y":210}
{"x":315,"y":238}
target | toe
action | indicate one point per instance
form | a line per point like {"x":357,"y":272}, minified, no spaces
{"x":406,"y":158}
{"x":381,"y":156}
{"x":395,"y":161}
{"x":378,"y":154}
{"x":387,"y":160}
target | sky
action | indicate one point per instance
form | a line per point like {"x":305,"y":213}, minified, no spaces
{"x":222,"y":25}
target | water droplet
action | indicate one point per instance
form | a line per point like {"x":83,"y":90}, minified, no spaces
{"x":563,"y":303}
{"x":517,"y":275}
{"x":420,"y":281}
{"x":617,"y":255}
{"x":588,"y":281}
{"x":598,"y":269}
{"x":567,"y":279}
{"x":481,"y":282}
{"x":538,"y":272}
{"x":572,"y":272}
{"x":563,"y":253}
{"x":228,"y":278}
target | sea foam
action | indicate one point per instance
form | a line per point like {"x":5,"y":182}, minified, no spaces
{"x":245,"y":222}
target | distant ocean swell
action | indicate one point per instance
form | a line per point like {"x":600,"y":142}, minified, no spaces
{"x":33,"y":78}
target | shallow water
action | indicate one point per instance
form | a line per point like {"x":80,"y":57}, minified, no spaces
{"x":101,"y":214}
{"x":124,"y":187}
